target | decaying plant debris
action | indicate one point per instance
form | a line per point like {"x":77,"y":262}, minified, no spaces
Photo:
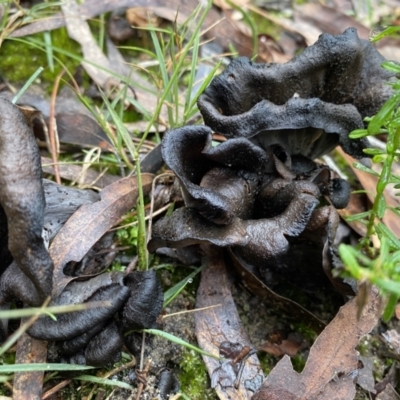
{"x":258,"y":201}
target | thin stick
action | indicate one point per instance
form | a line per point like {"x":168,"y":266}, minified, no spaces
{"x":130,"y":364}
{"x":191,"y":311}
{"x":56,"y":388}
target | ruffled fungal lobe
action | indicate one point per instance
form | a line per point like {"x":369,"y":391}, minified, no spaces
{"x":308,"y":105}
{"x":219,"y":182}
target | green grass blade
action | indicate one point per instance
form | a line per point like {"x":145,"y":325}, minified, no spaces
{"x":174,"y":291}
{"x":179,"y":341}
{"x":103,"y":381}
{"x":27,"y":84}
{"x":12,"y":368}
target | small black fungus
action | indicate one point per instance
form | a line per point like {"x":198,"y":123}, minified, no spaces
{"x":146,"y":300}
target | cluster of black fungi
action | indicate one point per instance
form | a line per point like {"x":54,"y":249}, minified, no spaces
{"x":259,"y":193}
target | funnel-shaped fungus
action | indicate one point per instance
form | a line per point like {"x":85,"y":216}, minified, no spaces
{"x":220,"y":211}
{"x":22,"y":197}
{"x":308,"y":105}
{"x":258,"y":192}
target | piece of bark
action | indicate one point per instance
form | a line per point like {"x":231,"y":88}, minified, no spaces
{"x":28,"y":385}
{"x":222,"y":324}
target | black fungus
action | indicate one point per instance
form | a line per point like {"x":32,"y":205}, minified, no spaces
{"x":261,"y":193}
{"x":308,"y":105}
{"x":22,"y":197}
{"x":70,"y":325}
{"x":105,"y":347}
{"x":146,"y":300}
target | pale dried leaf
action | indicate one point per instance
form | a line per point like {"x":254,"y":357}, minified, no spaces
{"x":90,"y":222}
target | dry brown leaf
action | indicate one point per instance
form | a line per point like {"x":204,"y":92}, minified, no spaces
{"x":97,"y":65}
{"x":328,"y":20}
{"x":368,"y":182}
{"x":28,"y":385}
{"x":332,"y":363}
{"x":90,"y":222}
{"x":71,"y":172}
{"x":388,"y":394}
{"x":222,"y":324}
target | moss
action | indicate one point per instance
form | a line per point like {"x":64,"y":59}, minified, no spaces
{"x":20,"y":58}
{"x":194,"y":378}
{"x":267,"y":362}
{"x":298,"y":362}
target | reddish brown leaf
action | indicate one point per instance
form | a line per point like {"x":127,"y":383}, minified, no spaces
{"x":222,"y":324}
{"x":90,"y":223}
{"x":28,"y":385}
{"x":332,"y":364}
{"x":368,"y":182}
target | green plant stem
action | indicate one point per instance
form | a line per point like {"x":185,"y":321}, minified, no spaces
{"x":392,"y":146}
{"x":141,"y":241}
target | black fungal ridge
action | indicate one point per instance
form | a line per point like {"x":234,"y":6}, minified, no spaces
{"x":308,"y":105}
{"x":259,"y":193}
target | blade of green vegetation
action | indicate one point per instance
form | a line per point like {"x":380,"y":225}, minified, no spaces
{"x":9,"y":369}
{"x":103,"y":381}
{"x":174,"y":291}
{"x":179,"y":341}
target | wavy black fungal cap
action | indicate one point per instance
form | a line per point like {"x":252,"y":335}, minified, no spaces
{"x":308,"y":105}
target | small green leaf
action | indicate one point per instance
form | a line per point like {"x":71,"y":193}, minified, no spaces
{"x":384,"y":114}
{"x":104,"y":381}
{"x":384,"y":231}
{"x":358,"y":217}
{"x":390,"y":307}
{"x":391,"y":66}
{"x":358,"y":133}
{"x":374,"y":152}
{"x":347,"y":255}
{"x":172,"y":292}
{"x":362,"y":167}
{"x":379,"y":158}
{"x":391,"y":30}
{"x":12,"y":368}
{"x":388,"y":285}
